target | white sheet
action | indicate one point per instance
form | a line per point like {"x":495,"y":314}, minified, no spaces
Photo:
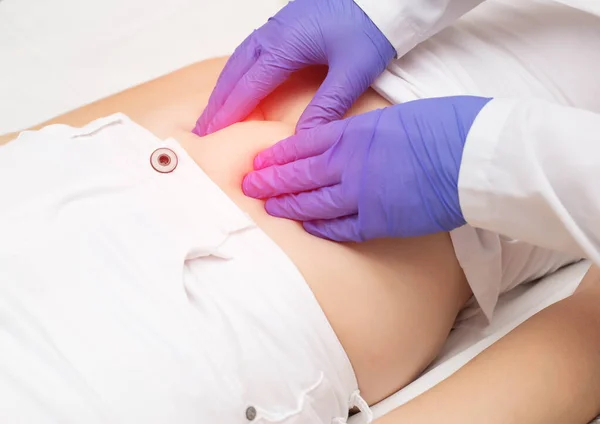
{"x":56,"y":56}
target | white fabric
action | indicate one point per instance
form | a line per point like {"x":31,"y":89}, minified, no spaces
{"x":510,"y":48}
{"x":133,"y":296}
{"x":406,"y":23}
{"x":530,"y":171}
{"x":530,"y":165}
{"x":531,"y":49}
{"x":495,"y":264}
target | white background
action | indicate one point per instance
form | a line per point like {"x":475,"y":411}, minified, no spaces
{"x":58,"y":55}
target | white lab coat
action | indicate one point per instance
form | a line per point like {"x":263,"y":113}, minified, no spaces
{"x":530,"y":169}
{"x":406,"y":23}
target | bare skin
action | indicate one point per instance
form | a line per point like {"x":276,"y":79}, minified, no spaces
{"x":546,"y":371}
{"x":391,"y":302}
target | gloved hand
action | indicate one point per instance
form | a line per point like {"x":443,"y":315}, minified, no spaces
{"x":305,"y":32}
{"x":392,"y":172}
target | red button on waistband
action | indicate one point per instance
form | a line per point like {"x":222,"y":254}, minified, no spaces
{"x":163,"y":160}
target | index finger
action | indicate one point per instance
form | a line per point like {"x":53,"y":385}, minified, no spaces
{"x":242,"y":59}
{"x":295,"y":177}
{"x":267,"y":73}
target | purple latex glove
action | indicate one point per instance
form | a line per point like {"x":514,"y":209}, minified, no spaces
{"x":391,"y":172}
{"x":305,"y":32}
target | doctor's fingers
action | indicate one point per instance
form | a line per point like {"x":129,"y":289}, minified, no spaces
{"x":242,"y":59}
{"x":303,"y":145}
{"x":345,"y":82}
{"x":294,"y":177}
{"x":325,"y":203}
{"x":345,"y":229}
{"x":245,"y":87}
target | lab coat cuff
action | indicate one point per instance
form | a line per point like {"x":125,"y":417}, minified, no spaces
{"x":394,"y":22}
{"x":482,"y":164}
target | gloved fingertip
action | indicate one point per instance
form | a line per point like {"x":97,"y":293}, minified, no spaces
{"x":220,"y":121}
{"x":210,"y":128}
{"x":309,"y":226}
{"x":205,"y":119}
{"x":198,"y":130}
{"x":249,"y":187}
{"x":213,"y":124}
{"x":274,"y":208}
{"x":310,"y":122}
{"x":200,"y":126}
{"x":260,"y":161}
{"x":320,"y":112}
{"x":334,"y":230}
{"x":315,"y":229}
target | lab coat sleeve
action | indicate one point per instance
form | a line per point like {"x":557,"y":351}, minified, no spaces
{"x":407,"y":23}
{"x":531,"y":171}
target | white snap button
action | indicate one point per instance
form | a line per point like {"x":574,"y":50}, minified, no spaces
{"x":163,"y":160}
